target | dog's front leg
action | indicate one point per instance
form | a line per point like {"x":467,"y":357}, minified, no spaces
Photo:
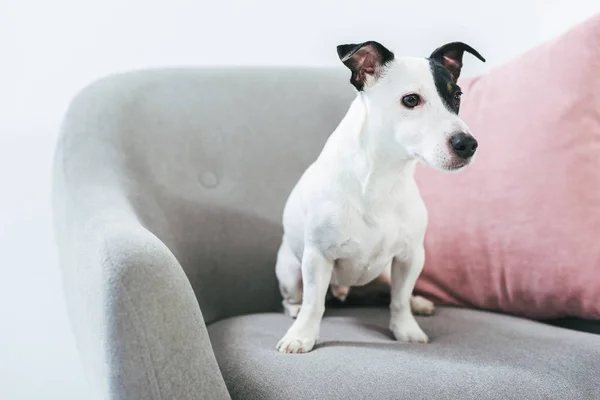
{"x":316,"y":277}
{"x":405,"y":272}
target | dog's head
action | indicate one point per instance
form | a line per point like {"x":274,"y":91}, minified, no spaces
{"x":415,"y":100}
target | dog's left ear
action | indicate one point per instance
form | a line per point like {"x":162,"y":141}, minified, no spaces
{"x":364,"y":60}
{"x":450,"y":56}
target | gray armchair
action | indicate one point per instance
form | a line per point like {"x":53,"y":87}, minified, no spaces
{"x":168,"y":191}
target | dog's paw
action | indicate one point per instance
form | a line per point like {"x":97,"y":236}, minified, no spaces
{"x":295,"y":343}
{"x":421,"y":306}
{"x":409,"y":331}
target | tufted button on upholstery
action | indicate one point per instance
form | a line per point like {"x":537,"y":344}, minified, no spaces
{"x":209,"y":180}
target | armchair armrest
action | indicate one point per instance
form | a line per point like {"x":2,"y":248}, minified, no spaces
{"x":137,"y":322}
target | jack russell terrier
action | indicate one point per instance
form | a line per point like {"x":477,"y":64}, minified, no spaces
{"x":356,"y":214}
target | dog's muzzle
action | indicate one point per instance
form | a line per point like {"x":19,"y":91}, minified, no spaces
{"x":463,"y":145}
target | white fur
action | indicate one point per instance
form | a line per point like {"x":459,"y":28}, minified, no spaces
{"x":356,"y":213}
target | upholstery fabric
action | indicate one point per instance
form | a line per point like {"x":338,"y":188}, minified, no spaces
{"x":518,"y":230}
{"x":472,"y":355}
{"x":169,"y":187}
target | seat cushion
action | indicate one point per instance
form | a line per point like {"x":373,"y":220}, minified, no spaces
{"x":472,"y":355}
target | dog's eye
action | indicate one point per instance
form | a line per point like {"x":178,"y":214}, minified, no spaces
{"x":457,"y":96}
{"x":411,"y":100}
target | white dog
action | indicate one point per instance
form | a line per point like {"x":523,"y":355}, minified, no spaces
{"x":356,"y":214}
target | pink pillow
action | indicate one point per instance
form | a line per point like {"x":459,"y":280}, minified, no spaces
{"x":519,"y":230}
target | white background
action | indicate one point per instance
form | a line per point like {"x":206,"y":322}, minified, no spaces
{"x":50,"y":49}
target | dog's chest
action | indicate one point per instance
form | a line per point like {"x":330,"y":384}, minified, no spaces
{"x":370,"y":243}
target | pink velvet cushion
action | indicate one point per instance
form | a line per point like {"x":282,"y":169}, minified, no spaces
{"x":519,"y":230}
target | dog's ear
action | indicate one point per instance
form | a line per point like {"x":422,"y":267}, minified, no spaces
{"x":364,"y":60}
{"x":450,"y":56}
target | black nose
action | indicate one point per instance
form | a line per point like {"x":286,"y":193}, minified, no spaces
{"x":463,"y":145}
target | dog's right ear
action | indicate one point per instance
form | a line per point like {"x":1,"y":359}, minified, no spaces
{"x":364,"y":60}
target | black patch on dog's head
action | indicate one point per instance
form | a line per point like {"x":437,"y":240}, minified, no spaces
{"x":446,"y":64}
{"x":445,"y":86}
{"x":364,"y":59}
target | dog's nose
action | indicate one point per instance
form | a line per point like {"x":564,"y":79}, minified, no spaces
{"x":463,"y":145}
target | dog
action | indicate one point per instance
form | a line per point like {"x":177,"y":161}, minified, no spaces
{"x":356,"y":215}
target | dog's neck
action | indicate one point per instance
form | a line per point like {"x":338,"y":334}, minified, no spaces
{"x":359,"y":146}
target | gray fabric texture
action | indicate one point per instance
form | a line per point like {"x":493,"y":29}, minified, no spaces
{"x":168,"y":191}
{"x":472,"y":355}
